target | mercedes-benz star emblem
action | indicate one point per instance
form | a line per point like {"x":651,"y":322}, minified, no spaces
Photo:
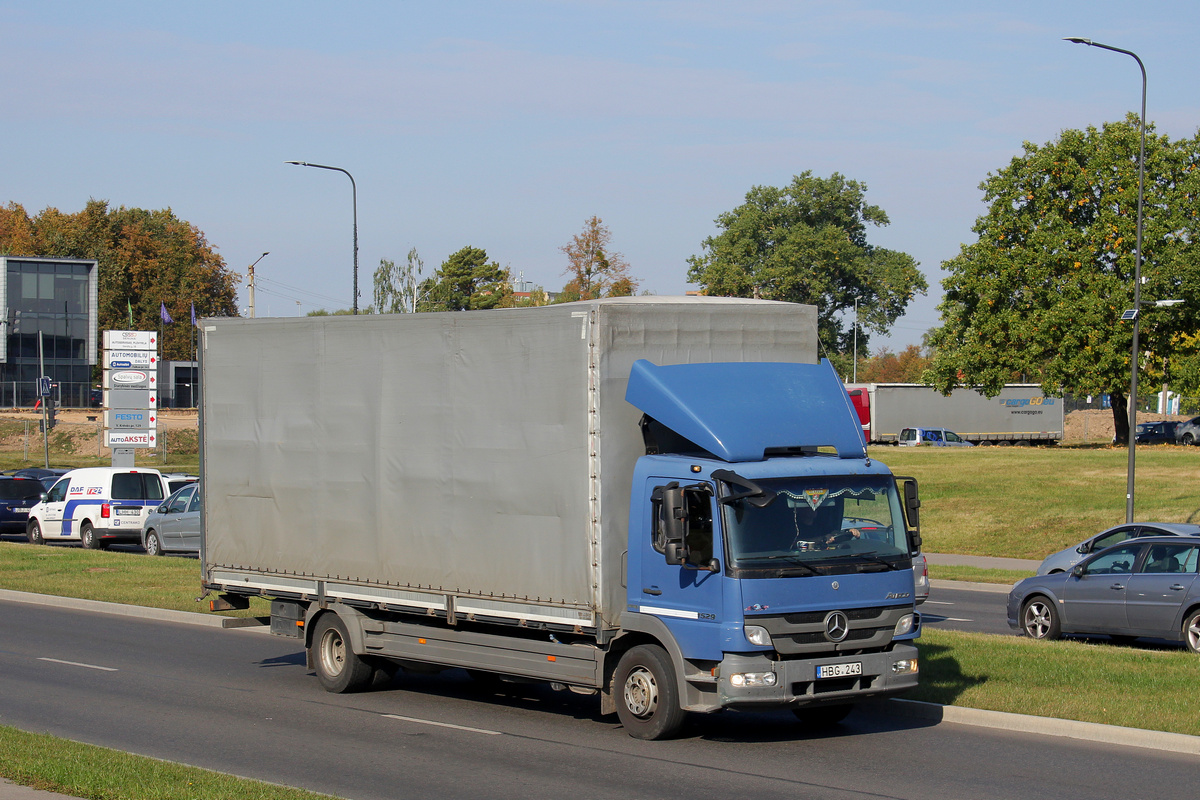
{"x":836,"y":626}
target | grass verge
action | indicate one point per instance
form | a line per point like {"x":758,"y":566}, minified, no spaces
{"x":1028,"y":502}
{"x":1134,"y":686}
{"x":84,"y":770}
{"x":114,"y":577}
{"x":943,"y":572}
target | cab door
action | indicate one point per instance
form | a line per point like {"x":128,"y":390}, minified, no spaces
{"x":53,"y":507}
{"x":686,"y":594}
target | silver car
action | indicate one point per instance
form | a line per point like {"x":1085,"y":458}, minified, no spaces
{"x":174,"y":527}
{"x":1063,"y":560}
{"x":1141,"y":587}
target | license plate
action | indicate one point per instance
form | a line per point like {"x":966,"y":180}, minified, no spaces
{"x":21,"y":510}
{"x":839,"y":670}
{"x":128,"y":512}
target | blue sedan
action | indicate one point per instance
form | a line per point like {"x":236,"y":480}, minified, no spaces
{"x":1143,"y":587}
{"x":17,"y":496}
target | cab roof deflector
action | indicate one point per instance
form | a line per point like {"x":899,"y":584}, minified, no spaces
{"x":739,"y":411}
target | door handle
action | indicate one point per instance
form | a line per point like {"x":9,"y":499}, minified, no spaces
{"x":654,"y":590}
{"x":1178,"y":587}
{"x":1117,"y":586}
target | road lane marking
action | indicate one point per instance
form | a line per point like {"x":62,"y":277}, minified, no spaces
{"x":78,"y":664}
{"x":443,"y":725}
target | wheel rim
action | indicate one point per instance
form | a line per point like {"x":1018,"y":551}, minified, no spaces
{"x":641,"y":693}
{"x":1192,"y":632}
{"x":333,"y":653}
{"x":152,"y":544}
{"x":1037,"y":619}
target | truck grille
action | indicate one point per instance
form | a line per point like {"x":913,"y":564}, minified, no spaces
{"x":803,"y":634}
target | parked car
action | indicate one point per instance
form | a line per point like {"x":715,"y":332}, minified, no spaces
{"x":1144,"y":587}
{"x":175,"y":525}
{"x":937,"y":437}
{"x":1188,"y":431}
{"x":1156,"y":432}
{"x":177,"y":480}
{"x":96,"y":506}
{"x":1063,"y":560}
{"x":17,"y":496}
{"x":47,"y":475}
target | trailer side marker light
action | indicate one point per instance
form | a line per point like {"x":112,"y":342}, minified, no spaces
{"x":421,"y":641}
{"x":552,"y":658}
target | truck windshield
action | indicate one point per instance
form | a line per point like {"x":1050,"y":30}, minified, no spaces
{"x":818,"y":526}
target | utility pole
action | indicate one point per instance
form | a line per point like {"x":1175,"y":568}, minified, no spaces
{"x":250,"y":282}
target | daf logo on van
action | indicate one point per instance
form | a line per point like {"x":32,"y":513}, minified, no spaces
{"x":129,"y":376}
{"x":837,"y":625}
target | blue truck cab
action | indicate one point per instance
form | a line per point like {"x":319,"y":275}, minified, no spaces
{"x":767,"y":551}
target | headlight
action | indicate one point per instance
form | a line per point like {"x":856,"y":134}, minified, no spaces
{"x":907,"y":666}
{"x":753,"y":679}
{"x":758,"y":635}
{"x":904,"y":625}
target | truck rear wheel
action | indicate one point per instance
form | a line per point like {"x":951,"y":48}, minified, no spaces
{"x":647,"y":698}
{"x":338,"y":668}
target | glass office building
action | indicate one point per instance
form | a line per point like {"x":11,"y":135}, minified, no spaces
{"x":51,"y":300}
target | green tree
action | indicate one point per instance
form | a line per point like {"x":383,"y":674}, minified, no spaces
{"x":466,"y":281}
{"x":807,"y":243}
{"x":1039,"y":295}
{"x":146,"y":259}
{"x":594,"y":268}
{"x":396,"y":286}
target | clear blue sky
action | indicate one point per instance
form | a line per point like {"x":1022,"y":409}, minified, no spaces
{"x":505,"y":125}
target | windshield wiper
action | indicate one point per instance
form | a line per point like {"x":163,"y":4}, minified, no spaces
{"x":792,"y":560}
{"x":875,"y":557}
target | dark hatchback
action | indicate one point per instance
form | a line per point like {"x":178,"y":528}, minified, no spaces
{"x":17,"y":496}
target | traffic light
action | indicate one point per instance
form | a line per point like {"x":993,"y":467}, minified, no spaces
{"x":50,"y":413}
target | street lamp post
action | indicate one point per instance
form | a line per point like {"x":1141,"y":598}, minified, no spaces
{"x":250,"y":281}
{"x":1137,"y":277}
{"x":354,"y":191}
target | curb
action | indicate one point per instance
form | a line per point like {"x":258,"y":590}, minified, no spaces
{"x":912,"y":709}
{"x":994,"y":588}
{"x":119,"y":609}
{"x":1047,"y":726}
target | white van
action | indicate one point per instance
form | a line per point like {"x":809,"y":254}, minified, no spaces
{"x":97,"y":506}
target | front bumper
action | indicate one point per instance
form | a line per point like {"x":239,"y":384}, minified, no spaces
{"x":796,"y":683}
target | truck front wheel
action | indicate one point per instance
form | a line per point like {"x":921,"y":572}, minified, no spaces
{"x":647,"y":698}
{"x":338,"y":668}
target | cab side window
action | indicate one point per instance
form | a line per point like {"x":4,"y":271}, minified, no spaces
{"x":699,"y":536}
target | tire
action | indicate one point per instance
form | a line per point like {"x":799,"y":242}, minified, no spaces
{"x":1188,"y":439}
{"x":339,"y":670}
{"x":646,"y":694}
{"x":153,"y":545}
{"x":33,"y":532}
{"x":88,"y":537}
{"x":822,"y":716}
{"x":1191,"y":631}
{"x":1039,"y":619}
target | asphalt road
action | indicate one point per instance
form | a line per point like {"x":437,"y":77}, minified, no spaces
{"x":966,"y":607}
{"x":243,"y":702}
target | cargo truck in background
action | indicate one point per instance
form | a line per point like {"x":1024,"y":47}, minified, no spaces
{"x":665,"y":502}
{"x":1021,"y":414}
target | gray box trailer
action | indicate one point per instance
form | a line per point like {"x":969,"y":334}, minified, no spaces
{"x":1021,"y":413}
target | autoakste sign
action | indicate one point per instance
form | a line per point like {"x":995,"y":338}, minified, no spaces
{"x":130,"y":391}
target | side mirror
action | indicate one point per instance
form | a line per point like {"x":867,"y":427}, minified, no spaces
{"x":912,"y":511}
{"x":674,"y":522}
{"x":1082,"y":549}
{"x":44,"y":497}
{"x":1077,"y":570}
